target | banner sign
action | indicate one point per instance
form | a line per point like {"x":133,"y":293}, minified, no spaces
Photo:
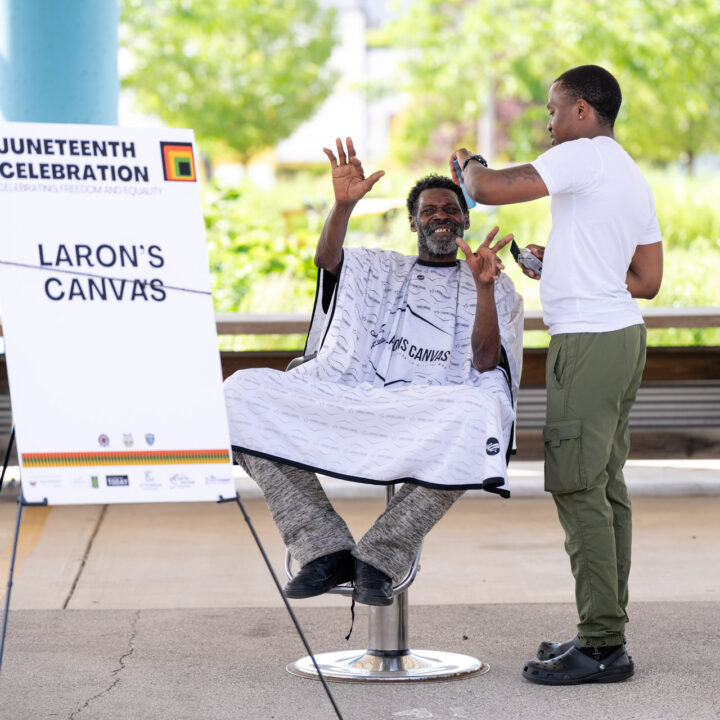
{"x":108,"y":316}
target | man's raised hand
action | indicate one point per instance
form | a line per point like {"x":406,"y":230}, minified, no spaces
{"x":349,"y":181}
{"x":484,"y":262}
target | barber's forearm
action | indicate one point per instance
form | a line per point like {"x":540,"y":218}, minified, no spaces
{"x":644,"y":276}
{"x":642,"y":287}
{"x":486,"y":334}
{"x":503,"y":187}
{"x":328,"y":254}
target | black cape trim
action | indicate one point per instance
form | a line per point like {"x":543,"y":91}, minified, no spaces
{"x":504,"y":365}
{"x":427,"y":263}
{"x":334,"y":303}
{"x":491,"y":485}
{"x":318,"y":294}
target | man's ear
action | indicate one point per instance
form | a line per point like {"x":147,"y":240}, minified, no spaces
{"x":467,"y":220}
{"x":582,"y":109}
{"x":413,"y":224}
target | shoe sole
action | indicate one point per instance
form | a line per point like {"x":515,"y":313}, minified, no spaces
{"x":378,"y":601}
{"x":305,"y":593}
{"x":608,"y":675}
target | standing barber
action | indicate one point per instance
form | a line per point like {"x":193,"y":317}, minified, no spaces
{"x":604,"y":249}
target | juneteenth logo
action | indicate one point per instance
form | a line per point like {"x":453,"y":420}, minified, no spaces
{"x":178,"y":161}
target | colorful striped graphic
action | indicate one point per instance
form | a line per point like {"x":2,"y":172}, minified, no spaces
{"x":178,"y":161}
{"x":139,"y":457}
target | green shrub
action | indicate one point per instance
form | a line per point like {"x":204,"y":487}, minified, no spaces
{"x":262,"y":243}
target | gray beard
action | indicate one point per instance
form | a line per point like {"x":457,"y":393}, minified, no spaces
{"x":438,"y":248}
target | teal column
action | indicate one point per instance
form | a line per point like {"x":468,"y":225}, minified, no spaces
{"x":58,"y":61}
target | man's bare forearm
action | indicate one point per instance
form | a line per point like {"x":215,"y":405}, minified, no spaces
{"x":641,"y":287}
{"x":644,"y":276}
{"x":486,"y":333}
{"x":502,"y":187}
{"x":328,"y":254}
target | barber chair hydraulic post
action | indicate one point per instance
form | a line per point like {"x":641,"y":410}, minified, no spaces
{"x":388,"y":657}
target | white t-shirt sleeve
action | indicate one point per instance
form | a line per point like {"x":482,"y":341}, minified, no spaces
{"x":571,"y":167}
{"x":652,"y":232}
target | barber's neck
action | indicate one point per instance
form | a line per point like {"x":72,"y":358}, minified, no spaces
{"x":594,"y":130}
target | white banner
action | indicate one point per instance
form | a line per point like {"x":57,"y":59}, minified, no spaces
{"x":108,"y":317}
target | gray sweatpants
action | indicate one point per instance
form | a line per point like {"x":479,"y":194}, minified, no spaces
{"x":310,"y":527}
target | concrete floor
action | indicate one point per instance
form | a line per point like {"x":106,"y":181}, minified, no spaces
{"x":167,"y":611}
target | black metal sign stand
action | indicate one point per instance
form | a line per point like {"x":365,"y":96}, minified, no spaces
{"x":293,"y":617}
{"x":23,"y":503}
{"x":7,"y":456}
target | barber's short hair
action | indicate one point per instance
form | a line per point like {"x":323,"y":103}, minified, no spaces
{"x":596,"y":86}
{"x":429,"y":182}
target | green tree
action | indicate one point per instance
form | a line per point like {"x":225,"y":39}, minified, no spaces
{"x":470,"y":58}
{"x":243,"y":74}
{"x":672,"y":97}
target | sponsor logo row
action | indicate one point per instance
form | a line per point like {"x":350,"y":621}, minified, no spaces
{"x":150,"y":481}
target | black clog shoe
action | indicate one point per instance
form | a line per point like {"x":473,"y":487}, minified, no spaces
{"x":574,"y":668}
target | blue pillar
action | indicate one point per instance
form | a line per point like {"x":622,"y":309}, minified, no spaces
{"x":58,"y":61}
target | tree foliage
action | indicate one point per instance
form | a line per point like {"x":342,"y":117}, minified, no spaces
{"x":242,"y":73}
{"x":461,"y":53}
{"x":251,"y":243}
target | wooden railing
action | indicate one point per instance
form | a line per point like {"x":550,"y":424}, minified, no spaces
{"x":297,"y":323}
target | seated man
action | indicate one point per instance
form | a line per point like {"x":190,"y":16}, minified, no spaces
{"x":410,"y":384}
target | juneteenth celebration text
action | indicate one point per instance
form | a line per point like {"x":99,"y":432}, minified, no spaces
{"x":93,"y":263}
{"x":64,"y":170}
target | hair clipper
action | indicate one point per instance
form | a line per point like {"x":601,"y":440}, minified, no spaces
{"x":470,"y":202}
{"x":525,"y":258}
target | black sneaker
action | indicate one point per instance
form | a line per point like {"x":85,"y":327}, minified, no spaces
{"x":372,"y":586}
{"x":322,"y":574}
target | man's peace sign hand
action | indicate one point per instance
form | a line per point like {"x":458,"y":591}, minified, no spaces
{"x":349,"y":181}
{"x":484,"y":262}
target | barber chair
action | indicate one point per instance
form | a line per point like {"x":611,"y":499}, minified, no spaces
{"x":388,"y":657}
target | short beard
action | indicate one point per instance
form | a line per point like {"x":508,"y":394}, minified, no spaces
{"x":439,"y":248}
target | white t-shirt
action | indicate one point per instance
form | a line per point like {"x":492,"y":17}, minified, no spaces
{"x":602,"y":209}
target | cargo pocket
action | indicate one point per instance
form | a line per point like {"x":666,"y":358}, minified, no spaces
{"x":560,"y":364}
{"x":564,"y":472}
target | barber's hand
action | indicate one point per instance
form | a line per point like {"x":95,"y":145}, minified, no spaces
{"x":461,"y":156}
{"x":349,"y":181}
{"x":484,"y":262}
{"x":538,"y":251}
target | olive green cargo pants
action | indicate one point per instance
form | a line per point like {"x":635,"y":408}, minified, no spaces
{"x":592,"y":380}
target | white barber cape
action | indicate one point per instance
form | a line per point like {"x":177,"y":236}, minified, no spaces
{"x":391,"y":395}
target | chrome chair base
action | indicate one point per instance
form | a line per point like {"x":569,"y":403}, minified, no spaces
{"x":373,"y":666}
